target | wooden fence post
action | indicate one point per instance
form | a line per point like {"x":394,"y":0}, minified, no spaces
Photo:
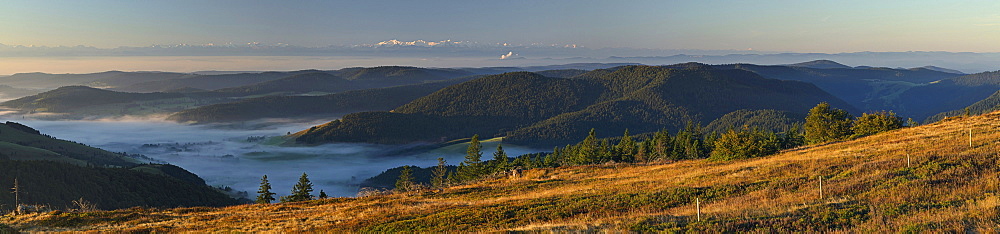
{"x":698,"y":205}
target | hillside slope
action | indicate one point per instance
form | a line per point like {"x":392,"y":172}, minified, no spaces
{"x":54,"y":173}
{"x":920,"y":179}
{"x":908,"y":92}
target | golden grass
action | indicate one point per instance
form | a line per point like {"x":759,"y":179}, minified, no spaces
{"x":867,"y":187}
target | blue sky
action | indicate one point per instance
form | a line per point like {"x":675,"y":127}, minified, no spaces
{"x":799,"y":26}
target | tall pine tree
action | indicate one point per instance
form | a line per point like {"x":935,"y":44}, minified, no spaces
{"x":439,"y":174}
{"x":588,"y":150}
{"x":625,"y":149}
{"x":264,"y":194}
{"x":302,"y":191}
{"x":500,"y":163}
{"x":405,"y":181}
{"x":472,"y":168}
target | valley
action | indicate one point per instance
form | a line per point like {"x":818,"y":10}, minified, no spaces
{"x":919,"y":179}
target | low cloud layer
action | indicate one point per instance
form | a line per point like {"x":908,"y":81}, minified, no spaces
{"x":225,"y":156}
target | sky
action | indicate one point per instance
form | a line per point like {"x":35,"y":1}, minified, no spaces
{"x":792,"y":26}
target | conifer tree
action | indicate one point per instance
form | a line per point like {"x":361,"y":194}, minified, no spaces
{"x":322,"y":194}
{"x":661,"y":145}
{"x":405,"y":181}
{"x":452,"y":178}
{"x":265,"y":196}
{"x":438,"y":176}
{"x":472,"y":168}
{"x":626,"y":148}
{"x":792,"y":137}
{"x":500,"y":163}
{"x":588,"y":151}
{"x":302,"y":191}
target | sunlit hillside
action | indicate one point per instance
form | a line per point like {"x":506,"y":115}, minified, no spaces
{"x":928,"y":178}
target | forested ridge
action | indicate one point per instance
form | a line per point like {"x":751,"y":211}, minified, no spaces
{"x":532,"y":109}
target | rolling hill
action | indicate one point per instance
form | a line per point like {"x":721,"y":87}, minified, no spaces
{"x":528,"y":108}
{"x":326,"y":106}
{"x":209,"y":82}
{"x":8,"y":92}
{"x":867,"y":89}
{"x":109,"y":79}
{"x":968,"y":87}
{"x":168,"y":81}
{"x":81,"y":102}
{"x":920,"y":179}
{"x":301,"y":83}
{"x":952,"y":94}
{"x":821,"y":64}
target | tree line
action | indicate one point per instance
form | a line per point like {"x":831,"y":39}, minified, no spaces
{"x":822,"y":124}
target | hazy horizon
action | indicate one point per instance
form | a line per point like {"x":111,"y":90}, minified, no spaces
{"x":53,"y":36}
{"x":777,"y":25}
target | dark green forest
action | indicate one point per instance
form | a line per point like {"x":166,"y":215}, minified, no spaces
{"x":531,"y":109}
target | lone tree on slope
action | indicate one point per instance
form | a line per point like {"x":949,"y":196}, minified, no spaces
{"x":265,"y":196}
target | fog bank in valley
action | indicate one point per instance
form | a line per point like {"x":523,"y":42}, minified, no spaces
{"x":238,"y":158}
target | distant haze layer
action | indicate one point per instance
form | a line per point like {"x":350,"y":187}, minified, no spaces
{"x":965,"y":62}
{"x":57,"y":65}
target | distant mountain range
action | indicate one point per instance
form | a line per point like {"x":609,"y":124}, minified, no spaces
{"x":173,"y":92}
{"x":533,"y":53}
{"x":917,"y":93}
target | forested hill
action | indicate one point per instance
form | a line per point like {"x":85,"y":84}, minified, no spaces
{"x":20,"y":142}
{"x":908,"y":92}
{"x":532,"y":109}
{"x":347,"y":79}
{"x":82,"y":102}
{"x":72,"y":97}
{"x":974,"y":85}
{"x":301,"y":83}
{"x":379,"y":99}
{"x":399,"y":74}
{"x":56,"y":172}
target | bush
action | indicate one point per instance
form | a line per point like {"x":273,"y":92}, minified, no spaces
{"x":745,"y":144}
{"x":824,"y":124}
{"x":869,"y":124}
